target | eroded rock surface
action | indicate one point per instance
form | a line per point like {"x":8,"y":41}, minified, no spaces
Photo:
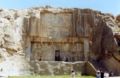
{"x":37,"y":33}
{"x":11,"y":45}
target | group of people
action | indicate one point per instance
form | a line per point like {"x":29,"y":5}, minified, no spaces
{"x":101,"y":74}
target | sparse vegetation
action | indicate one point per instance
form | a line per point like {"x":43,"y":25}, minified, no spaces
{"x":61,"y":76}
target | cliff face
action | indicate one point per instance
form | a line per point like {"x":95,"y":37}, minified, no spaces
{"x":37,"y":33}
{"x":12,"y":60}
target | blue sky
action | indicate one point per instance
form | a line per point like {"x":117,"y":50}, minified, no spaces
{"x":107,"y":6}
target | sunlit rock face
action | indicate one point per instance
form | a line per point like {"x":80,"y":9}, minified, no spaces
{"x":12,"y":60}
{"x":15,"y":65}
{"x":38,"y":34}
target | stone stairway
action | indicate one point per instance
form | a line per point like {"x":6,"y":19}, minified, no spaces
{"x":99,"y":65}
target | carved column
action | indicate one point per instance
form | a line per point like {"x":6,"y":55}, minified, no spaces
{"x":86,"y":48}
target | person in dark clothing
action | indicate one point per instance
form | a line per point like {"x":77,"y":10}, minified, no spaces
{"x":57,"y":55}
{"x":102,"y":74}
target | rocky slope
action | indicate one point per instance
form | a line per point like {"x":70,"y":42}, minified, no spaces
{"x":12,"y":58}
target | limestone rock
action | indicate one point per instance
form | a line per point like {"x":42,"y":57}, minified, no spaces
{"x":118,"y":20}
{"x":11,"y":50}
{"x":57,"y":68}
{"x":14,"y":65}
{"x":79,"y":34}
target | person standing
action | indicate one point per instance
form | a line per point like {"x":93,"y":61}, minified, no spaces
{"x":102,"y":74}
{"x":73,"y":74}
{"x":106,"y":75}
{"x":98,"y":74}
